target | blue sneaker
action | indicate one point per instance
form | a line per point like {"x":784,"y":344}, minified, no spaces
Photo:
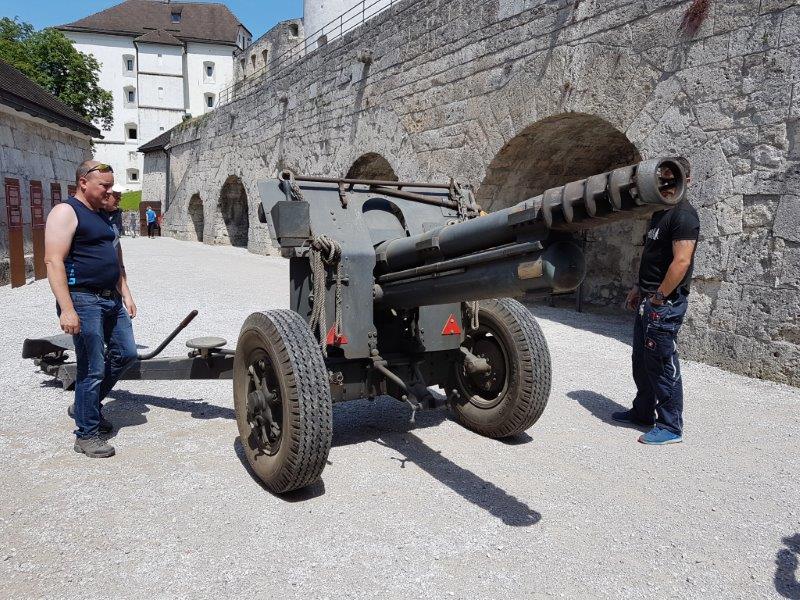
{"x":627,"y":416}
{"x":659,"y":437}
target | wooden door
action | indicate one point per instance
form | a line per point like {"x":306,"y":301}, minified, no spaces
{"x":37,"y":229}
{"x":143,"y":206}
{"x":16,"y":246}
{"x":55,"y":194}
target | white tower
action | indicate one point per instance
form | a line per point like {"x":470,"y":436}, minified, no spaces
{"x":324,"y":19}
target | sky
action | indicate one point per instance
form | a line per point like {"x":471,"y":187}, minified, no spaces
{"x":257,"y":15}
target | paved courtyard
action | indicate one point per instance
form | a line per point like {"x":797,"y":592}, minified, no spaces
{"x":575,"y":508}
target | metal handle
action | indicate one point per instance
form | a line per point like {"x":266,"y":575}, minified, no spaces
{"x":187,"y":319}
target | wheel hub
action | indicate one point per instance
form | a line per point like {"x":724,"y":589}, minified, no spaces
{"x":263,"y":406}
{"x":485,"y":389}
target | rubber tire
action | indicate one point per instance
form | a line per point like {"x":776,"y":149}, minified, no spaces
{"x":307,"y":424}
{"x":528,"y":378}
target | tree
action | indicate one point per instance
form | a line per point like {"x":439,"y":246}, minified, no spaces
{"x":49,"y":58}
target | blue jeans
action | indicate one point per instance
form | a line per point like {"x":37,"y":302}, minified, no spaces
{"x":656,"y":368}
{"x":104,"y":349}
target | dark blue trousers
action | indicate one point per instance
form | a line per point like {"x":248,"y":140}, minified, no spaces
{"x":656,"y":368}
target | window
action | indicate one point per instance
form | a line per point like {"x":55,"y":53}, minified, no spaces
{"x":161,"y":128}
{"x":175,"y":17}
{"x":133,"y":175}
{"x":265,"y":56}
{"x":132,"y":131}
{"x":294,"y":29}
{"x":128,"y":64}
{"x":130,"y":95}
{"x":161,"y":93}
{"x":242,"y":62}
{"x":210,"y":101}
{"x":253,"y":60}
{"x":208,"y":72}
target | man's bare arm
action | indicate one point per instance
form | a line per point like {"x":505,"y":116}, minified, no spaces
{"x":59,"y":231}
{"x":682,"y":251}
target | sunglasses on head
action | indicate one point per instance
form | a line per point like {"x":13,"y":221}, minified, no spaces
{"x":101,"y":168}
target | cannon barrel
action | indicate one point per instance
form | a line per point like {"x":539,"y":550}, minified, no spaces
{"x":510,"y":271}
{"x":623,"y":193}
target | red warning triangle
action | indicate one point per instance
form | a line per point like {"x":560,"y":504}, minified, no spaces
{"x":335,"y":340}
{"x":451,"y":327}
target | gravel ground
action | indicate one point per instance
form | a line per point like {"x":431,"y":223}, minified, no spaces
{"x":575,"y":508}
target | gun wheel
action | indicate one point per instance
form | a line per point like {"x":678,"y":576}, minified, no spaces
{"x":512,"y":396}
{"x":282,"y":400}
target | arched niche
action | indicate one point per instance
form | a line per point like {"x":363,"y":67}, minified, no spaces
{"x":372,"y":166}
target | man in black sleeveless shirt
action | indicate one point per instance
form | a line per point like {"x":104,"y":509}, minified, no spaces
{"x":660,"y":297}
{"x":94,"y":304}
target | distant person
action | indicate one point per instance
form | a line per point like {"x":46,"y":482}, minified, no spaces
{"x":113,"y":210}
{"x":150,"y":215}
{"x":87,"y":275}
{"x":660,"y":296}
{"x":133,"y":223}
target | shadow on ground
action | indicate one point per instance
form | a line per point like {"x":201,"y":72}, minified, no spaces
{"x":601,"y":407}
{"x":385,"y":422}
{"x":786,"y":564}
{"x":126,"y":409}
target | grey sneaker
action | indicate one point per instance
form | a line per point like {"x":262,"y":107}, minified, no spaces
{"x":94,"y":447}
{"x":105,"y":425}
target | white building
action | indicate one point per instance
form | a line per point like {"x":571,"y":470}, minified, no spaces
{"x":325,"y":20}
{"x":162,"y":61}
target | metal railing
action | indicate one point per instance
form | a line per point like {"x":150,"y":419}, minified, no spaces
{"x":344,"y":23}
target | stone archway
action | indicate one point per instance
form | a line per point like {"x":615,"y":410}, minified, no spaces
{"x":557,"y":150}
{"x":196,"y":217}
{"x":235,"y":214}
{"x":372,"y":166}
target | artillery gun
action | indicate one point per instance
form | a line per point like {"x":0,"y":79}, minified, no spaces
{"x":396,"y":287}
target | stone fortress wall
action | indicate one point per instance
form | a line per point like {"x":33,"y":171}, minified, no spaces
{"x":34,"y":150}
{"x":515,"y":96}
{"x":265,"y":54}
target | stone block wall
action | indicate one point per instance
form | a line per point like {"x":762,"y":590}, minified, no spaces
{"x":485,"y":92}
{"x":34,"y":150}
{"x":261,"y":56}
{"x":154,"y":186}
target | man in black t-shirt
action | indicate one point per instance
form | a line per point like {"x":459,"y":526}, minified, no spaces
{"x":660,"y":296}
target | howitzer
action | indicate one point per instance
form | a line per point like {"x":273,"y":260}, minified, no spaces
{"x":398,"y":286}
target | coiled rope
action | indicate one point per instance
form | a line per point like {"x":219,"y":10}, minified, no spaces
{"x":474,"y":308}
{"x":325,"y":252}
